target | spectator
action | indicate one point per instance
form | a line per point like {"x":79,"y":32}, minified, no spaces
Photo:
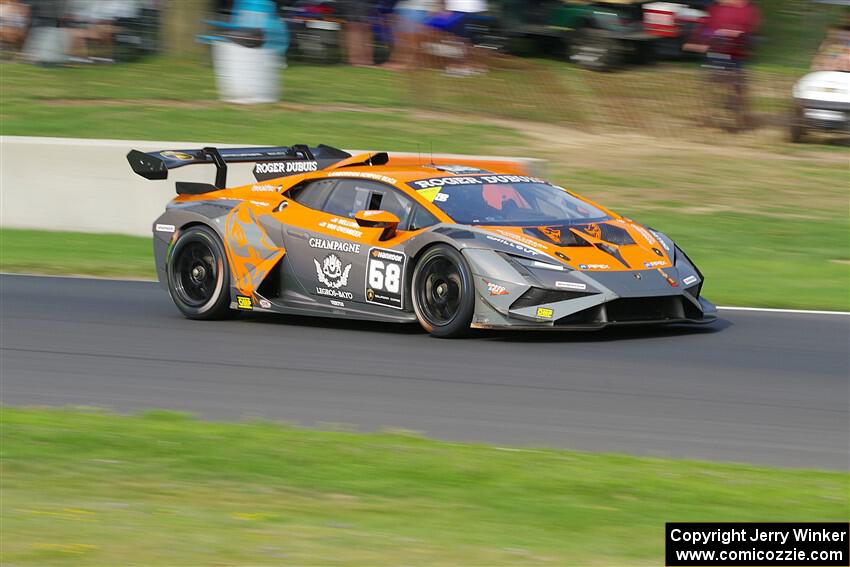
{"x":726,"y":37}
{"x":411,"y":17}
{"x":92,"y":25}
{"x":455,"y":18}
{"x":358,"y":32}
{"x":259,"y":16}
{"x":456,"y":14}
{"x":467,"y":6}
{"x":46,"y":13}
{"x":14,"y":24}
{"x":46,"y":42}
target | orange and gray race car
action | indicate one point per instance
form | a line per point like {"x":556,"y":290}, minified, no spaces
{"x":451,"y":243}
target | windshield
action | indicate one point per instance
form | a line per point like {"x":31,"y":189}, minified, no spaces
{"x":512,"y":204}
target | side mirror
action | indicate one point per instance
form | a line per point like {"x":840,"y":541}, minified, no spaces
{"x":378,"y":219}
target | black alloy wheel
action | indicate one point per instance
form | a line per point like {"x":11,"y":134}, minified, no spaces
{"x":198,"y":278}
{"x":443,"y":292}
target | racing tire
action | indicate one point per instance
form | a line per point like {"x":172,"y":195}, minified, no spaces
{"x":199,"y":275}
{"x":443,"y":292}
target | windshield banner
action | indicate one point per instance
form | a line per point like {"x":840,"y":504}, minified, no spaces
{"x":472,"y":180}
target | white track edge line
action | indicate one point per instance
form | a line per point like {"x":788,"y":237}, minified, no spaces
{"x":773,"y":310}
{"x":78,"y":277}
{"x":721,"y":307}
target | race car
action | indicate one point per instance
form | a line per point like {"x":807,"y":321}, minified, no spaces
{"x":453,"y":243}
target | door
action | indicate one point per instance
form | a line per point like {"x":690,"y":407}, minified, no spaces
{"x":335,"y":261}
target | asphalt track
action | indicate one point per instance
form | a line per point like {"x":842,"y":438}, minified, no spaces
{"x":765,"y":388}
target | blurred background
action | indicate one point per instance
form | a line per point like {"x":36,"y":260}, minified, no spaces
{"x":656,"y":61}
{"x":724,"y":124}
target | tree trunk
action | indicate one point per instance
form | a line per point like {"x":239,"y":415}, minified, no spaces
{"x":181,"y":22}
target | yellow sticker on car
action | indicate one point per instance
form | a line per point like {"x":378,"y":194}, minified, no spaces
{"x":183,"y":156}
{"x":545,"y":312}
{"x":243,"y":302}
{"x":430,"y":194}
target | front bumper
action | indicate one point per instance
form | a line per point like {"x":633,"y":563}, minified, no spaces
{"x":658,"y":310}
{"x":510,"y":296}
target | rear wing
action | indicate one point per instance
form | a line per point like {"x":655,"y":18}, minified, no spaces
{"x":272,"y":162}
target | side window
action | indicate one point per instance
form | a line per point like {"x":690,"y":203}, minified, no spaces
{"x":353,"y":195}
{"x":397,"y":204}
{"x":422,"y":219}
{"x":312,"y":194}
{"x":349,"y":196}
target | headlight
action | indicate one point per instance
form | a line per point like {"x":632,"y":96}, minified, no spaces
{"x":529,"y":263}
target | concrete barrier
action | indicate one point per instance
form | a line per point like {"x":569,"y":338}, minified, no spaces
{"x":87,"y":185}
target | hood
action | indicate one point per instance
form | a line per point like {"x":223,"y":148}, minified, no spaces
{"x":610,"y":246}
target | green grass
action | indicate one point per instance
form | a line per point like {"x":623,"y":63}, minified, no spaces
{"x":41,"y":252}
{"x":400,"y":130}
{"x":87,"y":488}
{"x":189,"y":80}
{"x":749,"y":260}
{"x":137,"y":98}
{"x":792,"y":30}
{"x":122,"y":102}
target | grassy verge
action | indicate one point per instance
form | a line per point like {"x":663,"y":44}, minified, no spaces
{"x":123,"y":101}
{"x":162,"y":489}
{"x":756,"y":261}
{"x":41,"y":252}
{"x":401,"y":130}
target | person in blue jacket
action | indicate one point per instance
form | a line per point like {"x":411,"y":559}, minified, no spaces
{"x":257,"y":14}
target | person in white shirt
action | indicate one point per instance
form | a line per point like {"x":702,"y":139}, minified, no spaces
{"x":466,"y":6}
{"x":14,"y":23}
{"x":93,"y":22}
{"x":410,"y":17}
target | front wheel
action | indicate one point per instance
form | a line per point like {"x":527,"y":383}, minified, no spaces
{"x":443,"y":292}
{"x":198,"y":275}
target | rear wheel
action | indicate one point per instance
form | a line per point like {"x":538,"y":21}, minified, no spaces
{"x":443,"y":292}
{"x":198,"y":275}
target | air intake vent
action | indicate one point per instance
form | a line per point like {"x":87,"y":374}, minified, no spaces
{"x":538,"y":296}
{"x":645,"y":309}
{"x":456,"y":233}
{"x":560,"y":235}
{"x":609,"y":233}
